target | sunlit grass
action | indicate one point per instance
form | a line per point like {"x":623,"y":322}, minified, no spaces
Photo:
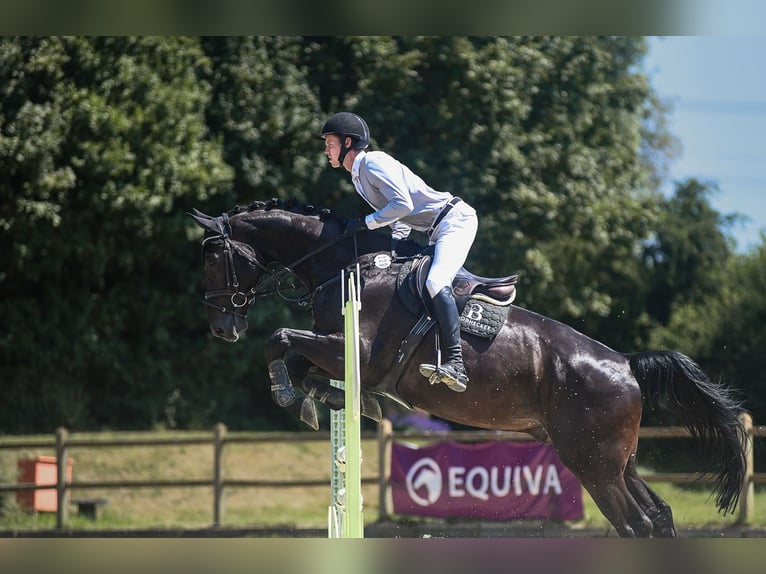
{"x":693,"y":507}
{"x":299,"y":507}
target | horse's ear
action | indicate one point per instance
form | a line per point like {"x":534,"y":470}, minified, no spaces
{"x":205,"y":221}
{"x":198,"y":213}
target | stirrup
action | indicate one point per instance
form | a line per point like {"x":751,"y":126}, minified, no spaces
{"x":455,"y":381}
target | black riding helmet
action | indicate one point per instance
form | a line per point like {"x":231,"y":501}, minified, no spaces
{"x":346,"y":124}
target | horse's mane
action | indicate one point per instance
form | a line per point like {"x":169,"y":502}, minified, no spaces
{"x":292,"y":205}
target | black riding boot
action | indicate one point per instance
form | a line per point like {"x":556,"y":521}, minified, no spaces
{"x":451,"y":372}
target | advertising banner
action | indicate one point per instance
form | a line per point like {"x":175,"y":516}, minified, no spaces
{"x":494,"y":480}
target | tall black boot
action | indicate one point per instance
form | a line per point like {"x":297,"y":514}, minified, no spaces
{"x":451,"y":372}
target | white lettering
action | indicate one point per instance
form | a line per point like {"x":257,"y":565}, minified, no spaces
{"x":552,"y":481}
{"x":533,"y":482}
{"x":517,"y":480}
{"x":474,"y":312}
{"x":480,"y":482}
{"x":498,"y":490}
{"x":479,"y":492}
{"x":455,"y":481}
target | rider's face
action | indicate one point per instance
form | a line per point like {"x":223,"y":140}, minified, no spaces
{"x":332,"y":149}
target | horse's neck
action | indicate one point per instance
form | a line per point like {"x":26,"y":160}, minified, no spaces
{"x":303,"y":251}
{"x":322,"y":259}
{"x":299,"y":245}
{"x":319,"y":264}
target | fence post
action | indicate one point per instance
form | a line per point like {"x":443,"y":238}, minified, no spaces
{"x":353,"y":521}
{"x":385,"y":440}
{"x":219,"y":434}
{"x":747,"y":496}
{"x":337,"y":478}
{"x":345,"y":515}
{"x":62,"y":508}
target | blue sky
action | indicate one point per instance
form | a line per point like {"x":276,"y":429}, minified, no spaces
{"x":718,"y":87}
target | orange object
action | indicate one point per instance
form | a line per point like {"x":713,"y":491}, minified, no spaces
{"x":40,"y":470}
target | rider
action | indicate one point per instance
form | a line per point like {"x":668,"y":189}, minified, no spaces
{"x":403,"y":201}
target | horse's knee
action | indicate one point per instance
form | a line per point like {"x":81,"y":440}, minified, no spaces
{"x":277,"y":344}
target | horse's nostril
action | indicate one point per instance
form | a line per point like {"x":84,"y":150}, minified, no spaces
{"x":216,"y":330}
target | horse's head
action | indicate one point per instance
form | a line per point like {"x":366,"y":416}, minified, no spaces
{"x":276,"y":247}
{"x":232,"y":271}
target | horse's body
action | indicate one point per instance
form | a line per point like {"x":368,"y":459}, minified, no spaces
{"x":536,"y":375}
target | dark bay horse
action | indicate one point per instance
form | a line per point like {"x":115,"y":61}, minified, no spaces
{"x":536,"y":375}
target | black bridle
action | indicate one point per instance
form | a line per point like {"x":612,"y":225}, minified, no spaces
{"x":237,"y":297}
{"x":272,"y":284}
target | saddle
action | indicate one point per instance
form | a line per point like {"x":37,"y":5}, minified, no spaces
{"x":482,"y":302}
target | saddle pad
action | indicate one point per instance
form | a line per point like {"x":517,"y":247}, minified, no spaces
{"x":480,"y":316}
{"x":483,"y":317}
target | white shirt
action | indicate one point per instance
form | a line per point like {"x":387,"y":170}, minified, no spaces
{"x":402,"y":199}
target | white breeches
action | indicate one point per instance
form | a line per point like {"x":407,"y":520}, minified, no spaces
{"x":452,"y":239}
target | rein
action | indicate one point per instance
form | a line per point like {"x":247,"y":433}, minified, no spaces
{"x":241,"y":299}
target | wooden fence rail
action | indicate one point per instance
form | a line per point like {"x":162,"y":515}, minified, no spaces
{"x":385,"y":436}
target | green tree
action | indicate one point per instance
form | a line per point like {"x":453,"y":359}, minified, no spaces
{"x":101,"y":139}
{"x":689,"y":254}
{"x":556,"y":141}
{"x":106,"y":142}
{"x":265,"y":114}
{"x":723,"y":328}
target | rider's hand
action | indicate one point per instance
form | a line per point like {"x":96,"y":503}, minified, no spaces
{"x":355,"y":226}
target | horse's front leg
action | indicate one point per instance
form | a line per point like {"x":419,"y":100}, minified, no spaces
{"x":282,"y":393}
{"x":314,"y":380}
{"x":316,"y":384}
{"x":290,"y":353}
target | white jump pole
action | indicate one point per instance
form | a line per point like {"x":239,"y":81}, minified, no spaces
{"x":345,"y":517}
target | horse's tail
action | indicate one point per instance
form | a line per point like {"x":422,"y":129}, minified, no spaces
{"x":710,"y":411}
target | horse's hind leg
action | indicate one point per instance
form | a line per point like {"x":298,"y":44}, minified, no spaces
{"x":600,"y":469}
{"x":614,"y":500}
{"x":599,"y":453}
{"x":315,"y":383}
{"x":658,"y":511}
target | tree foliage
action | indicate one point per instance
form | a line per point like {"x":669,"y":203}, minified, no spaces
{"x":560,"y":144}
{"x":103,"y":140}
{"x":542,"y":135}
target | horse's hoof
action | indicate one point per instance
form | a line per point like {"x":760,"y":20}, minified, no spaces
{"x":371,"y":408}
{"x":309,"y":413}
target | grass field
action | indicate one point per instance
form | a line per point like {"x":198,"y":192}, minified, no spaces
{"x":192,"y":507}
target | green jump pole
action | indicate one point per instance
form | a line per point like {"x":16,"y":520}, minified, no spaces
{"x":353,"y":525}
